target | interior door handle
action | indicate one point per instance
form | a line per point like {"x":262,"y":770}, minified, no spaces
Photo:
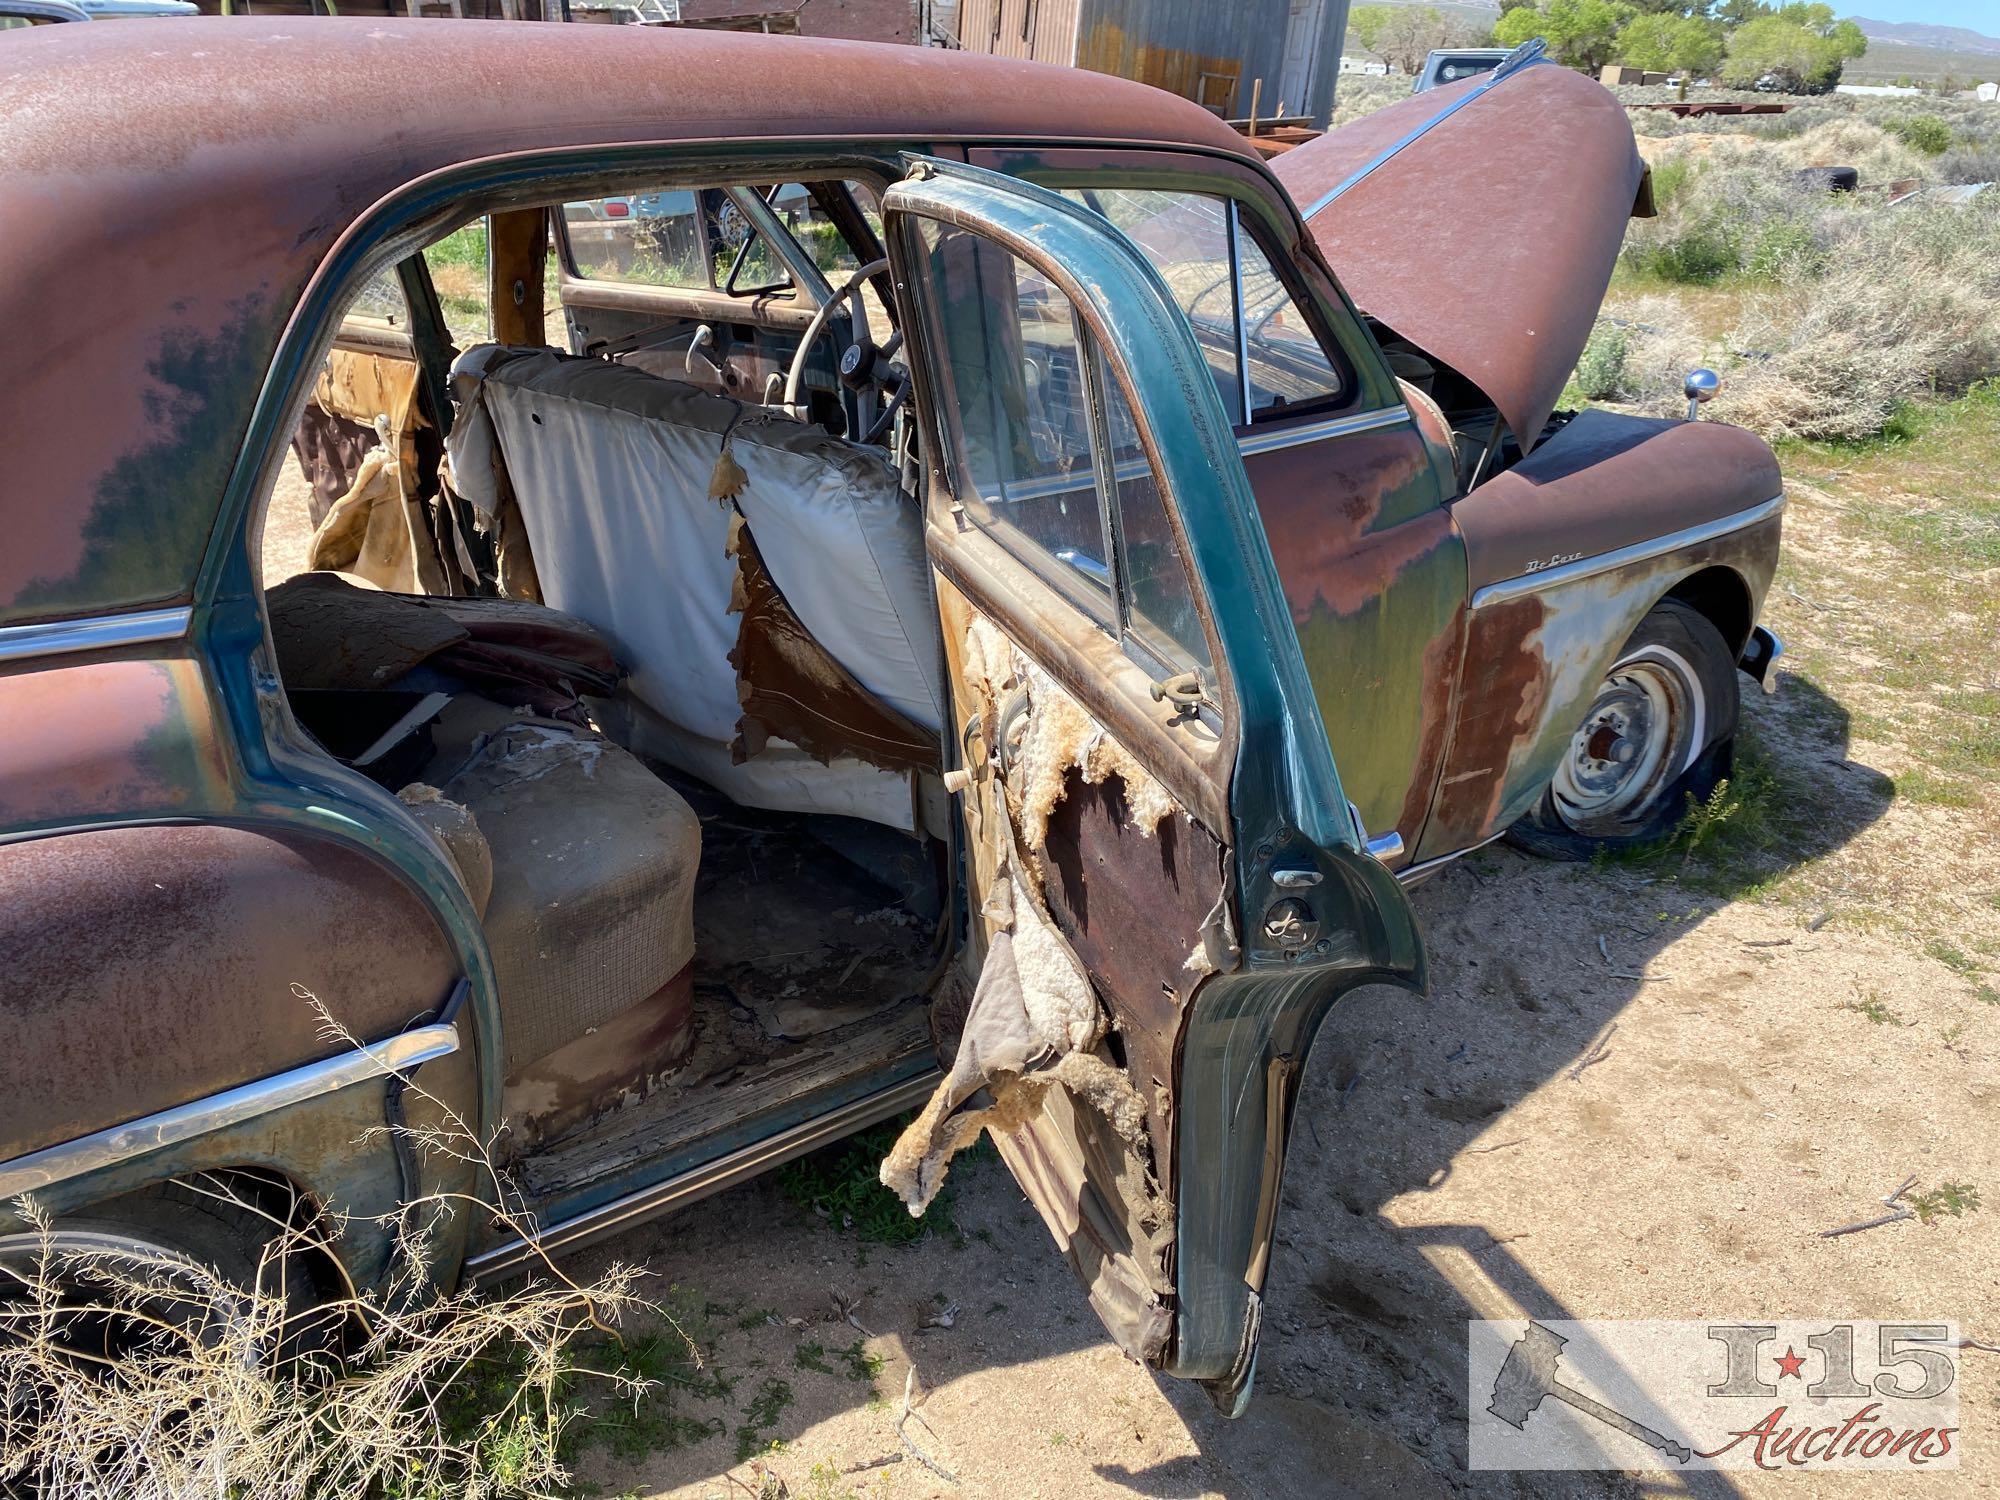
{"x":1385,"y":847}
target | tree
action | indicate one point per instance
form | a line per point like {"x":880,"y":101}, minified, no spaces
{"x":1799,"y":49}
{"x":1581,"y":33}
{"x":1670,"y":44}
{"x":1404,"y":35}
{"x":1366,"y":22}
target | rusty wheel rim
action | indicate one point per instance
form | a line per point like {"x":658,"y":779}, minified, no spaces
{"x":1641,"y":733}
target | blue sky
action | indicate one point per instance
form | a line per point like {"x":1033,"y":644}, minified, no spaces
{"x":1980,"y":15}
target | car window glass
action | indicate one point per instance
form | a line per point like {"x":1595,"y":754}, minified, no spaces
{"x":1186,"y":237}
{"x":381,"y":299}
{"x":1041,"y":471}
{"x":1154,"y":579}
{"x":1014,"y":363}
{"x":657,"y":237}
{"x":1287,"y":367}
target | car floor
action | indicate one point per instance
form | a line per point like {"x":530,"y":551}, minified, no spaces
{"x":809,"y":974}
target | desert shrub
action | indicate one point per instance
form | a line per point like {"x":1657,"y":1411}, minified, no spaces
{"x":1600,"y":373}
{"x":1641,"y":357}
{"x":1925,"y":133}
{"x":1851,"y":141}
{"x":1907,"y":306}
{"x":1747,"y":215}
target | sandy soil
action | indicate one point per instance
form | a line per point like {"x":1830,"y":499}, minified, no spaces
{"x":1451,"y":1163}
{"x":287,"y":524}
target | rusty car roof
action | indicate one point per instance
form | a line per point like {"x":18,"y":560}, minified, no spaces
{"x":1480,"y":221}
{"x":167,"y":190}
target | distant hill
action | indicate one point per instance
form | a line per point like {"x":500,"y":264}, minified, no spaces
{"x":1923,"y":34}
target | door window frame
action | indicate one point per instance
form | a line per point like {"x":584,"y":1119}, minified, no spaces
{"x":1263,"y":212}
{"x":1110,"y":613}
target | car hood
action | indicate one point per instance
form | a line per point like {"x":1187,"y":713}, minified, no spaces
{"x":1481,"y":222}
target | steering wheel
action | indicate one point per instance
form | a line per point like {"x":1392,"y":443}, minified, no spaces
{"x":870,"y":365}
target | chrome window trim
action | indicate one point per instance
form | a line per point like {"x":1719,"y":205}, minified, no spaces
{"x":1586,"y":567}
{"x":199,"y":1117}
{"x":516,"y":1255}
{"x":1320,"y":431}
{"x":97,"y":633}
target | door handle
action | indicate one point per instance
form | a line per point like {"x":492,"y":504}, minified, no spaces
{"x":1385,"y":847}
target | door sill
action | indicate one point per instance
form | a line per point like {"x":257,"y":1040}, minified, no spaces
{"x":519,"y":1255}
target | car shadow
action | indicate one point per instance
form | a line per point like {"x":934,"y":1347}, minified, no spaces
{"x":1363,"y":1363}
{"x":1407,"y":1103}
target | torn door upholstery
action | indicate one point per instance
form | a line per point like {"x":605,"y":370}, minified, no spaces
{"x":1082,"y":1151}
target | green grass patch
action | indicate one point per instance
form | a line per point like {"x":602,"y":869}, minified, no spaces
{"x":1931,"y":790}
{"x":773,"y":1397}
{"x":1951,"y":957}
{"x":1877,"y":1013}
{"x":840,"y":1186}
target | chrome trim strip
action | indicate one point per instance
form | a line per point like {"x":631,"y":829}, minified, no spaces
{"x":696,"y":1183}
{"x":98,"y":633}
{"x":1604,"y":562}
{"x":1318,"y":432}
{"x":1529,"y":52}
{"x":184,"y":1122}
{"x":1423,"y":869}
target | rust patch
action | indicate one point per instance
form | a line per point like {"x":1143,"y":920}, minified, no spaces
{"x":792,"y":689}
{"x":1443,"y":664}
{"x":1129,"y":905}
{"x":147,"y":966}
{"x":1501,"y":708}
{"x":1330,"y":511}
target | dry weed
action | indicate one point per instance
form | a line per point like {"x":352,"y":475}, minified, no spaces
{"x":153,"y":1378}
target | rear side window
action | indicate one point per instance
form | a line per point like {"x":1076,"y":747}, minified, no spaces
{"x":1266,"y":359}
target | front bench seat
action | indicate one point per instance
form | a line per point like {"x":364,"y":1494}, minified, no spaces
{"x":610,"y":467}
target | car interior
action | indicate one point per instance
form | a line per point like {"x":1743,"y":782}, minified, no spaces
{"x":642,"y":629}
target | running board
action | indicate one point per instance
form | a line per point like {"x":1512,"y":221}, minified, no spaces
{"x":519,"y":1255}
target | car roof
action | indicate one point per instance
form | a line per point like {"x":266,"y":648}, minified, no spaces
{"x":169,"y":188}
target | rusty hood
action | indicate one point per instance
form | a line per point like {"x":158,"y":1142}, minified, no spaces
{"x":1481,"y":222}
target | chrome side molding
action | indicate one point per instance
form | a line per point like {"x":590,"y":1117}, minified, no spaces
{"x":1604,"y":562}
{"x":518,"y":1255}
{"x":1269,"y":441}
{"x":98,"y":633}
{"x":199,"y":1117}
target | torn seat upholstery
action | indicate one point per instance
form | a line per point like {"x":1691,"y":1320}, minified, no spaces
{"x":611,"y":469}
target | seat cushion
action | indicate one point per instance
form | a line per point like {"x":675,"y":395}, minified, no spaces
{"x":593,"y":860}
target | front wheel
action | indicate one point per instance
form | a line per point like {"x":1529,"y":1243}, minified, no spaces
{"x":1660,"y":730}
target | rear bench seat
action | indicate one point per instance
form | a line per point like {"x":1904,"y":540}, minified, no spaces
{"x":610,"y":467}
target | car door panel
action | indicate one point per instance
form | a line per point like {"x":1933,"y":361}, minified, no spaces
{"x":1169,"y":848}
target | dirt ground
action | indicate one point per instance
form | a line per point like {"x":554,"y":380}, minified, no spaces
{"x":1771,"y":1066}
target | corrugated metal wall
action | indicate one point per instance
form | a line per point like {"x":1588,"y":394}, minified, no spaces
{"x":1210,"y":51}
{"x":1044,"y":30}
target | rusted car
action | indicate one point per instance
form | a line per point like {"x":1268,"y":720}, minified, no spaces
{"x":885,"y":643}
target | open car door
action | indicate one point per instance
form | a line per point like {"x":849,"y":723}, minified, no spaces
{"x":1166,"y":888}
